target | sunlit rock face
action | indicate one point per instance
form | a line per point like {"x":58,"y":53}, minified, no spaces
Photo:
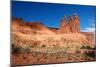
{"x":37,"y":43}
{"x":64,"y":27}
{"x":70,"y":26}
{"x":76,"y":23}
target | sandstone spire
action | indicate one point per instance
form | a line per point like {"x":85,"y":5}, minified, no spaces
{"x":76,"y":23}
{"x":71,"y":24}
{"x":64,"y":26}
{"x":63,"y":21}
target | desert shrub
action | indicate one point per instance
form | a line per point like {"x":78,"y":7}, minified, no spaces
{"x":43,"y":45}
{"x":27,"y":50}
{"x":94,"y":48}
{"x":90,"y":54}
{"x":16,"y":49}
{"x":78,"y":52}
{"x":24,"y":57}
{"x":13,"y":46}
{"x":86,"y":47}
{"x":53,"y":45}
{"x":64,"y":39}
{"x":38,"y":59}
{"x":31,"y":46}
{"x":19,"y":49}
{"x":45,"y":57}
{"x":34,"y":54}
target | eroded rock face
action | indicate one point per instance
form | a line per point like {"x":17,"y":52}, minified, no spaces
{"x":18,"y":25}
{"x":90,"y":37}
{"x":76,"y":23}
{"x":70,"y":26}
{"x":46,"y":41}
{"x":64,"y":27}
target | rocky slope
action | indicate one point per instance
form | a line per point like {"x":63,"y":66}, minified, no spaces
{"x":68,"y":28}
{"x":18,"y":25}
{"x":34,"y":43}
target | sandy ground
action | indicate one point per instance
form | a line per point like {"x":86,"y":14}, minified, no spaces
{"x":50,"y":48}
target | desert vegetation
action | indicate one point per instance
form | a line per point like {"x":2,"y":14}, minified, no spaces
{"x":35,"y":43}
{"x":50,"y":51}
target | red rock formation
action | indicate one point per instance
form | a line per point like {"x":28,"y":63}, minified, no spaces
{"x":73,"y":25}
{"x":76,"y":24}
{"x":90,"y":36}
{"x":64,"y":28}
{"x":29,"y":27}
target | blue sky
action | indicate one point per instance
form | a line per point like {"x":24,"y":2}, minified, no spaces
{"x":51,"y":14}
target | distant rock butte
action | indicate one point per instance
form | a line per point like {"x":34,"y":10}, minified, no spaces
{"x":72,"y":25}
{"x":19,"y":25}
